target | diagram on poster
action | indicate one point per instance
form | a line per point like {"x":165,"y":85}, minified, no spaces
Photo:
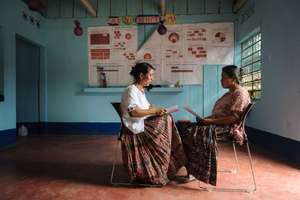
{"x":112,"y":51}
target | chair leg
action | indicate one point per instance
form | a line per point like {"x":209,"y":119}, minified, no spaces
{"x":219,"y":189}
{"x":234,"y":171}
{"x":114,"y":165}
{"x":236,"y":159}
{"x":126,"y":184}
{"x":251,"y":165}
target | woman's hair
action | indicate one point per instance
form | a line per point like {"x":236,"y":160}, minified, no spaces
{"x":140,"y":68}
{"x":232,"y":72}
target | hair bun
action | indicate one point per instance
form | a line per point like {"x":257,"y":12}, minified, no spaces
{"x":140,"y":68}
{"x":132,"y":72}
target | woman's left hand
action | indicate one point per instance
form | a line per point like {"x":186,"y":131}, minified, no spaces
{"x":162,"y":112}
{"x":159,"y":111}
{"x":204,"y":121}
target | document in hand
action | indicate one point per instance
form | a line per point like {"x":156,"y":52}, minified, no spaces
{"x":172,"y":109}
{"x":189,"y":109}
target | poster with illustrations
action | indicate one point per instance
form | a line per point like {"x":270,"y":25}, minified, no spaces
{"x":112,"y":51}
{"x":178,"y":55}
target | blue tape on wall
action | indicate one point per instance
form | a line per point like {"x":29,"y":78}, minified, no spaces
{"x":287,"y":148}
{"x":70,"y":128}
{"x":7,"y":138}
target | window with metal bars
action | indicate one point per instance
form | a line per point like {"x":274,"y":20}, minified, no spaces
{"x":251,"y":65}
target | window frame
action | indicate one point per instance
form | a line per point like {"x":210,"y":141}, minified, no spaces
{"x":251,"y":68}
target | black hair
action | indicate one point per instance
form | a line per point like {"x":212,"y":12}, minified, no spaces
{"x":140,"y":68}
{"x":232,"y":72}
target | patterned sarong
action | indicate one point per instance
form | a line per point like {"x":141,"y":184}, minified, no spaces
{"x":154,"y":156}
{"x":200,"y":147}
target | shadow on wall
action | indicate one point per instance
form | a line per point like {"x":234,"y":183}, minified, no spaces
{"x":1,"y":67}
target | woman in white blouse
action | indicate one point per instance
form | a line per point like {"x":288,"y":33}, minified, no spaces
{"x":151,"y":146}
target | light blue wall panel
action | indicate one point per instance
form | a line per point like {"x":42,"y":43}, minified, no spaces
{"x":170,"y":7}
{"x":53,"y":9}
{"x":141,"y":35}
{"x":134,"y":7}
{"x":212,"y":6}
{"x":196,"y":6}
{"x":12,"y":10}
{"x":79,"y":10}
{"x":221,"y":90}
{"x":226,"y":6}
{"x":150,"y":7}
{"x":1,"y":62}
{"x":104,"y":8}
{"x":67,"y":8}
{"x":210,"y":88}
{"x":180,"y":7}
{"x":118,"y":7}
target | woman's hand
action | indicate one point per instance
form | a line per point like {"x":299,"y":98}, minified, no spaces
{"x":204,"y":121}
{"x":158,"y":111}
{"x":161,"y":111}
{"x":226,"y":120}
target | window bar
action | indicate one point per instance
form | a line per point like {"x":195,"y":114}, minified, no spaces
{"x":126,"y":9}
{"x":252,"y":66}
{"x":173,"y":7}
{"x":187,"y":7}
{"x":110,"y":7}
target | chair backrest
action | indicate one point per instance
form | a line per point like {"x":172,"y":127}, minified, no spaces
{"x":117,"y":107}
{"x":245,"y":115}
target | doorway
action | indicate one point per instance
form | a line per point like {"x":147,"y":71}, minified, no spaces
{"x":27,"y":84}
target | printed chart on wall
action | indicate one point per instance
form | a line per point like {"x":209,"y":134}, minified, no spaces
{"x":179,"y":55}
{"x":184,"y":49}
{"x":112,"y":51}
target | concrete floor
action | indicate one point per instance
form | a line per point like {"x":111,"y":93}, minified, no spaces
{"x":78,"y":167}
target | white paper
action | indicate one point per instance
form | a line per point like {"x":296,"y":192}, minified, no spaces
{"x":169,"y":110}
{"x":172,"y":109}
{"x":189,"y":109}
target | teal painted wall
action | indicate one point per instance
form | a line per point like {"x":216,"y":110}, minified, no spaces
{"x":64,"y":64}
{"x":1,"y":63}
{"x":278,"y":110}
{"x":12,"y":23}
{"x":67,"y":72}
{"x":212,"y":88}
{"x":64,"y":60}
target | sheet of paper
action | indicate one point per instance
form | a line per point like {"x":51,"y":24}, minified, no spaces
{"x":172,"y":109}
{"x":169,"y":110}
{"x":189,"y":109}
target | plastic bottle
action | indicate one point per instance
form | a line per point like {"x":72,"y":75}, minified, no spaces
{"x":23,"y":131}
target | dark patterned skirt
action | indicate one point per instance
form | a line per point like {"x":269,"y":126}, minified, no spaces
{"x":154,"y":156}
{"x":200,"y":147}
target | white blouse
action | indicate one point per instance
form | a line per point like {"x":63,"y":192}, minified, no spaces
{"x":133,"y":98}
